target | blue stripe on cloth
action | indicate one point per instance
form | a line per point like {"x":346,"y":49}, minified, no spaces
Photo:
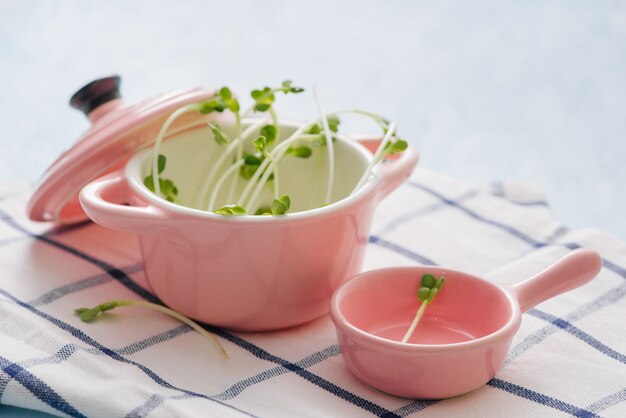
{"x":401,"y":250}
{"x":309,"y":361}
{"x":608,"y":298}
{"x":307,"y":375}
{"x":498,"y":191}
{"x":608,"y":401}
{"x":57,"y":230}
{"x":77,"y":333}
{"x":68,"y":349}
{"x":87,"y":283}
{"x":237,"y":388}
{"x":38,"y":388}
{"x":151,"y":404}
{"x":502,"y":226}
{"x":390,"y":226}
{"x":578,"y":333}
{"x":475,"y":215}
{"x":415,"y":406}
{"x":117,"y":274}
{"x":540,"y":398}
{"x":516,"y":233}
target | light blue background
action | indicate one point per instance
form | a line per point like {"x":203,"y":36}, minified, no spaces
{"x":488,"y":90}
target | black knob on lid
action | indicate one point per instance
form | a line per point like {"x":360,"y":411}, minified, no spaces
{"x":96,"y":93}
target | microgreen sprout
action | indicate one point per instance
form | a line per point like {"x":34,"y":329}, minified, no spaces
{"x":264,"y":210}
{"x":90,"y":314}
{"x":301,"y":152}
{"x":222,"y":101}
{"x":250,"y":164}
{"x":166,"y":186}
{"x":264,"y":98}
{"x":230,"y":210}
{"x":259,"y":169}
{"x":218,"y":134}
{"x":396,"y":147}
{"x":429,"y":288}
{"x":281,"y":205}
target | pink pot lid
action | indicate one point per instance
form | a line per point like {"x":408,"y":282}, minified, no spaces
{"x":117,"y":131}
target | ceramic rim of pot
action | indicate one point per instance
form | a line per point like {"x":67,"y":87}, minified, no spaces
{"x":132,"y":172}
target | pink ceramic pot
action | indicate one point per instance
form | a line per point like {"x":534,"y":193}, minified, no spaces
{"x":464,"y":336}
{"x":249,"y":273}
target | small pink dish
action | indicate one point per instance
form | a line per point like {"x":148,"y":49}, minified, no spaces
{"x":464,"y":336}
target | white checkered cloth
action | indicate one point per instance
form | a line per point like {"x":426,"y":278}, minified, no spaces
{"x":567,"y":359}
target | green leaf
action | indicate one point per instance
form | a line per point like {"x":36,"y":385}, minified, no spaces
{"x":300,"y":152}
{"x":225,"y":94}
{"x":288,"y":87}
{"x":250,"y":166}
{"x":262,"y":107}
{"x":213,"y":105}
{"x":260,"y":144}
{"x":428,"y":280}
{"x":149,"y":183}
{"x":263,"y":99}
{"x":263,"y":210}
{"x":396,"y":147}
{"x":168,"y":189}
{"x":269,"y":132}
{"x":233,"y":105}
{"x":230,"y":210}
{"x":219,"y":135}
{"x":423,"y":293}
{"x":333,"y":123}
{"x":161,"y":163}
{"x":429,"y":288}
{"x":86,"y":314}
{"x":281,"y":205}
{"x":315,"y":129}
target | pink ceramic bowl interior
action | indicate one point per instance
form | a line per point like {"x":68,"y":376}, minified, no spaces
{"x":248,"y":273}
{"x":464,"y":336}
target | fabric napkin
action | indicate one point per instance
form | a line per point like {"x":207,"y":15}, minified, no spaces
{"x":568,"y":358}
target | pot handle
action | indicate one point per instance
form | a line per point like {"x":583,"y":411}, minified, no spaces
{"x":397,"y":171}
{"x":574,"y":270}
{"x":96,"y":199}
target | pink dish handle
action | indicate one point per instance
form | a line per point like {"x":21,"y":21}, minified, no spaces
{"x":399,"y":168}
{"x":574,"y":270}
{"x":97,"y":200}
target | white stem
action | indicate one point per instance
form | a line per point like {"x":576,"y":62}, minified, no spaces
{"x":276,"y":181}
{"x":378,"y":156}
{"x":280,"y":150}
{"x":232,"y":169}
{"x":277,"y":154}
{"x":178,"y":316}
{"x":201,"y":195}
{"x":329,"y":146}
{"x":159,"y":139}
{"x":233,"y":184}
{"x":416,"y":321}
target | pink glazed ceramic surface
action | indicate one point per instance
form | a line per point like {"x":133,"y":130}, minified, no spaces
{"x":464,"y":336}
{"x":117,"y":131}
{"x":249,"y":273}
